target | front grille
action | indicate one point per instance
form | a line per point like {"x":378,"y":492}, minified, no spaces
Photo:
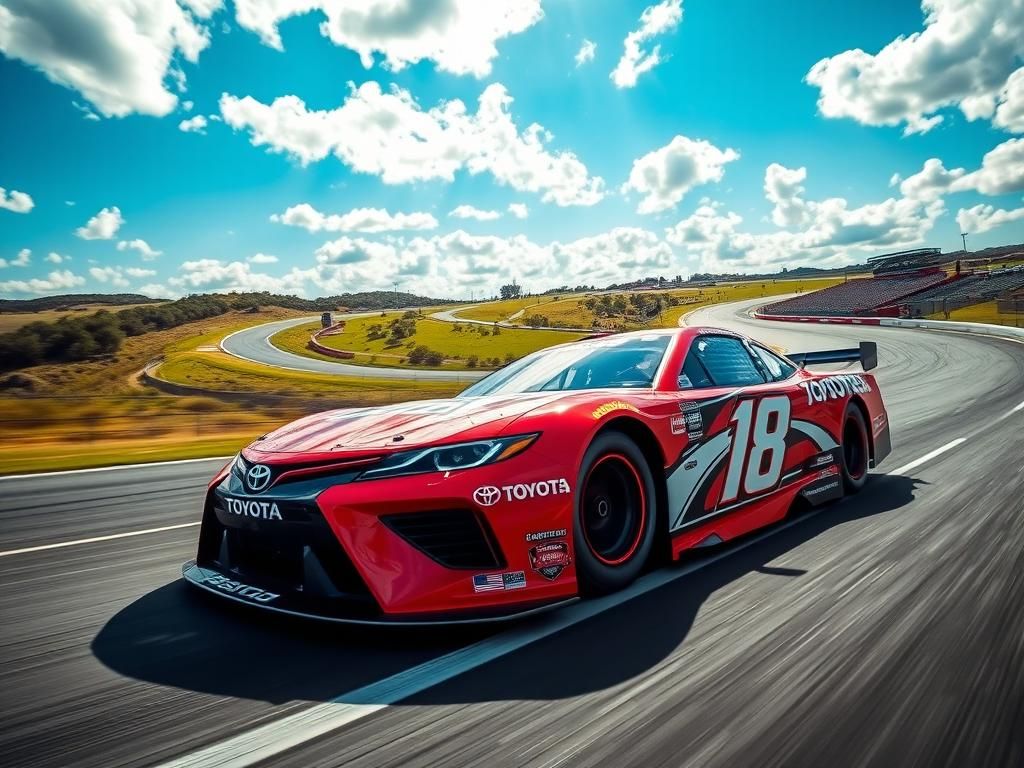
{"x":298,"y":555}
{"x":455,"y":538}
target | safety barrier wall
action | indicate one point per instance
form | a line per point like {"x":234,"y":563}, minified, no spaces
{"x":986,"y":329}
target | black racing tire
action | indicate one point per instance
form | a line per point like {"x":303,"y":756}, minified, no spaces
{"x":614,"y":521}
{"x":854,"y":450}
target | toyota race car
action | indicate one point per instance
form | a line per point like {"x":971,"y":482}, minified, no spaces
{"x":561,"y":475}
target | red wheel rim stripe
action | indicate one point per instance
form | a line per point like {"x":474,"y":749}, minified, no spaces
{"x":643,"y":508}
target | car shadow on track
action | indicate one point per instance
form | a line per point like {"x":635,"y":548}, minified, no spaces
{"x":175,"y":636}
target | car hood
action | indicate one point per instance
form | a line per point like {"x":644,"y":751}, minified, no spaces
{"x":401,"y":426}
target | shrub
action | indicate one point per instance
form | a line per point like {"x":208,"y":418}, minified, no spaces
{"x":471,"y":361}
{"x":496,"y":331}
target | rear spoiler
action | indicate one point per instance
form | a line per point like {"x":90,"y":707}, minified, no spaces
{"x":866,"y":355}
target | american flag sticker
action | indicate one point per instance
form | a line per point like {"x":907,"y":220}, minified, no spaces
{"x":488,"y":582}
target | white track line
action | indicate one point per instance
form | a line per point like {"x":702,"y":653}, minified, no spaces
{"x":928,"y":456}
{"x":94,"y":539}
{"x":278,"y":736}
{"x":116,"y":466}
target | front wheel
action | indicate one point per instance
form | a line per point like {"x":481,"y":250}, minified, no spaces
{"x":614,"y":524}
{"x":855,"y":449}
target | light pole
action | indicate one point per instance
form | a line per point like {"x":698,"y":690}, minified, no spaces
{"x":963,"y":236}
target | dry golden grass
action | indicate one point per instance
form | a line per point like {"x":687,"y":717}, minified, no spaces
{"x":12,"y":321}
{"x":986,"y":312}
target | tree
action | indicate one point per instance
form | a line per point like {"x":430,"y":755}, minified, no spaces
{"x":511,"y":291}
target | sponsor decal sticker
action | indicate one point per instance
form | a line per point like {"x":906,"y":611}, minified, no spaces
{"x":820,"y":461}
{"x":878,"y":423}
{"x":690,"y":464}
{"x":265,"y":510}
{"x":677,"y":424}
{"x":550,"y":559}
{"x":247,"y":591}
{"x":694,"y":422}
{"x":822,"y":489}
{"x":834,"y":387}
{"x":494,"y":582}
{"x":831,"y":471}
{"x":614,"y":405}
{"x":489,"y":495}
{"x":544,"y":535}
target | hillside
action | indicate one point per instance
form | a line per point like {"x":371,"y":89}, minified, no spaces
{"x":72,"y":300}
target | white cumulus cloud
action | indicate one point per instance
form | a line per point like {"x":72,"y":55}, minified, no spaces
{"x":262,"y":258}
{"x":459,"y":36}
{"x":195,"y":124}
{"x":52,"y":283}
{"x":357,"y":220}
{"x":141,"y":247}
{"x":118,"y":54}
{"x":55,"y":258}
{"x":389,"y":135}
{"x":982,"y":218}
{"x":963,"y":57}
{"x":665,"y":175}
{"x":636,"y":57}
{"x":102,"y":226}
{"x":469,"y":212}
{"x":21,"y":260}
{"x":519,"y":210}
{"x":15,"y":201}
{"x":586,"y":52}
{"x":208,"y":275}
{"x":113,"y":275}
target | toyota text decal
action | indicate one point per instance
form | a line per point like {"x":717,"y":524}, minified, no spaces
{"x":489,"y":495}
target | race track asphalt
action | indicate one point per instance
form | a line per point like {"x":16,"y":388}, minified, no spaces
{"x":253,"y":344}
{"x":885,"y":630}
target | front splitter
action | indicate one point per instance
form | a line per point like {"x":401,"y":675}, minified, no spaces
{"x":252,"y":595}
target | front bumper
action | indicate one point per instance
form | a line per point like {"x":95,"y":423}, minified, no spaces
{"x":410,"y":550}
{"x":223,"y":586}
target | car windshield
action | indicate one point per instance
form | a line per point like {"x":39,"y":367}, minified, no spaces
{"x":627,"y":362}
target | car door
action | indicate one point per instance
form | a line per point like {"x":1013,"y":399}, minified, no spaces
{"x":738,"y":410}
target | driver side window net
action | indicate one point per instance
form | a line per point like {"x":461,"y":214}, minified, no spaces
{"x":718,"y":361}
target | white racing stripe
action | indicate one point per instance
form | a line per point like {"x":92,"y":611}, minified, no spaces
{"x":116,"y":466}
{"x":94,"y":539}
{"x":279,"y":736}
{"x":928,"y":457}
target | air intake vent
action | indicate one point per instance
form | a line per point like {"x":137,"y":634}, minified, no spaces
{"x":455,"y":538}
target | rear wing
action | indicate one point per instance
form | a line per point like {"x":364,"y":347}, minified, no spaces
{"x":866,"y":354}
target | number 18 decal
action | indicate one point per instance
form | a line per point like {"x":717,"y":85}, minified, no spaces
{"x":767,"y":420}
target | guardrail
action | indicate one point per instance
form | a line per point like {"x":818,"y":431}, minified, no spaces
{"x":987,"y":329}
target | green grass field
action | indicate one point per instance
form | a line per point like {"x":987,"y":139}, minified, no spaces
{"x":571,"y":312}
{"x":456,"y":345}
{"x":495,"y":311}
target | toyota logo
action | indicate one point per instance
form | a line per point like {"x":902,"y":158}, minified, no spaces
{"x":487,"y":495}
{"x":257,"y":477}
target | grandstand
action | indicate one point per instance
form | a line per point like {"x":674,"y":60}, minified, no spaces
{"x":905,"y":261}
{"x":968,"y":289}
{"x":863,"y":296}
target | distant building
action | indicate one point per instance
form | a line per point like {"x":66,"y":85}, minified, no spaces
{"x":325,"y":320}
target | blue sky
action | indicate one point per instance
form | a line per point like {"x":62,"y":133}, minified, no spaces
{"x":736,"y":137}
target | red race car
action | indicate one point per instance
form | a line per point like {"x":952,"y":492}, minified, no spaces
{"x":561,"y":475}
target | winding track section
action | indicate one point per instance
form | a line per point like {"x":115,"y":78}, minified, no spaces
{"x":883,"y":630}
{"x":253,"y":344}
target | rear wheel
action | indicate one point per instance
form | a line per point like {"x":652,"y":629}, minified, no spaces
{"x":855,"y":449}
{"x":614,"y":524}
